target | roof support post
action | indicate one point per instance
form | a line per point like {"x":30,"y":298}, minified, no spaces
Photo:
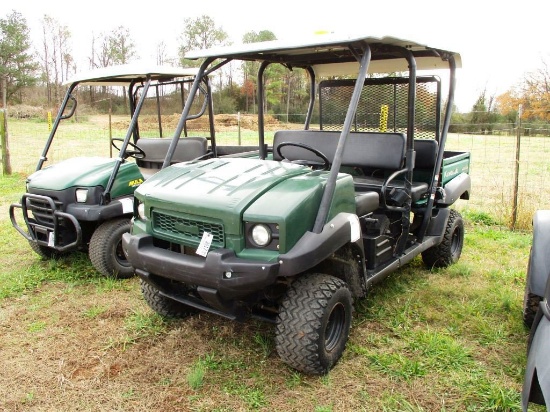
{"x":185,"y":114}
{"x":328,"y":193}
{"x":106,"y":197}
{"x":58,"y":118}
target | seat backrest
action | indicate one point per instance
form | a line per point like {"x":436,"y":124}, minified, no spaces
{"x":426,"y":153}
{"x":155,"y":149}
{"x":363,"y":149}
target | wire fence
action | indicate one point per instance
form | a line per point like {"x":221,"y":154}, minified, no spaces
{"x":510,"y":172}
{"x":510,"y":175}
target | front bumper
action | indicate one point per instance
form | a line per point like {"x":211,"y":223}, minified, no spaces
{"x":227,"y":276}
{"x":221,"y":270}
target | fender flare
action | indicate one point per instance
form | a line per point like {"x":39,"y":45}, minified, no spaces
{"x":313,"y":248}
{"x":458,"y":188}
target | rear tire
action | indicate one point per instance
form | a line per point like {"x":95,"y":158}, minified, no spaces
{"x":164,"y":306}
{"x":106,"y":249}
{"x":530,"y":301}
{"x":313,"y":323}
{"x":450,"y":248}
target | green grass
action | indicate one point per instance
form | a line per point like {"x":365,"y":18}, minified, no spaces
{"x":195,"y":377}
{"x":74,"y":269}
{"x":94,"y":312}
{"x":455,"y":333}
{"x":144,"y":324}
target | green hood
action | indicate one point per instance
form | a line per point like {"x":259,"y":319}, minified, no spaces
{"x":218,"y":188}
{"x":86,"y":172}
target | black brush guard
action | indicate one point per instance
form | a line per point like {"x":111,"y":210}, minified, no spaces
{"x":44,"y":227}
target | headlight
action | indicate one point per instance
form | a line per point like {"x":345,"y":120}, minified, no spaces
{"x":81,"y":195}
{"x":141,"y":210}
{"x":261,"y":235}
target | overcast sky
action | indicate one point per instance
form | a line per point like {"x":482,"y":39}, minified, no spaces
{"x":499,"y":41}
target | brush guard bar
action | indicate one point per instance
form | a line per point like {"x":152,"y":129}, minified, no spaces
{"x":45,"y":231}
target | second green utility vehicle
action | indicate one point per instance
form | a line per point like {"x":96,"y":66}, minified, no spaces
{"x":85,"y":203}
{"x":297,"y":232}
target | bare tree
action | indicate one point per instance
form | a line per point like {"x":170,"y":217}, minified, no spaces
{"x":56,"y":56}
{"x":116,"y":47}
{"x":162,"y":55}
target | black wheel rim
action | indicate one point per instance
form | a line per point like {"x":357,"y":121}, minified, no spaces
{"x":456,"y":241}
{"x":120,"y":256}
{"x":335,"y":326}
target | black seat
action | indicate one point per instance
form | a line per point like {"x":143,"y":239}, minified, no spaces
{"x":363,"y":149}
{"x":155,"y":149}
{"x":364,"y":183}
{"x":378,"y":155}
{"x":425,"y":157}
{"x":366,"y":203}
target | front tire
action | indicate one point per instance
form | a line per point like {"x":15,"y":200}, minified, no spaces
{"x":313,"y":323}
{"x":164,"y":306}
{"x":45,"y":252}
{"x":106,"y":249}
{"x":531,"y":301}
{"x":450,"y":248}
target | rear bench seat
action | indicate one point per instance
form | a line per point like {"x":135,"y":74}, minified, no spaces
{"x":426,"y":152}
{"x":376,"y":154}
{"x":155,"y":149}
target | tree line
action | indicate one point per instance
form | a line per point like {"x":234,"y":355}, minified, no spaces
{"x":40,"y":71}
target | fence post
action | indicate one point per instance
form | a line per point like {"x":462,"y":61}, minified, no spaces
{"x":239,"y":127}
{"x":110,"y":128}
{"x":6,"y":162}
{"x":516,"y":171}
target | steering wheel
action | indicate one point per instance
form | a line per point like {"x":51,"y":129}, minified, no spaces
{"x":318,"y":165}
{"x":137,"y":153}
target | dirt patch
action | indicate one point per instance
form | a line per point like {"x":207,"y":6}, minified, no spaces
{"x":71,"y":348}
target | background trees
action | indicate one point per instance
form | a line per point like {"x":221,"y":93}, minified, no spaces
{"x":112,"y":48}
{"x":250,"y":70}
{"x":200,"y":33}
{"x":52,"y":61}
{"x":55,"y":58}
{"x":17,"y":62}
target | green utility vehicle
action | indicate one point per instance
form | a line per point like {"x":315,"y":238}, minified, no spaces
{"x":298,"y":231}
{"x":86,"y":203}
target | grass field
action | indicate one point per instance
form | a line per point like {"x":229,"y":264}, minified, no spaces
{"x":493,"y":159}
{"x":441,"y":340}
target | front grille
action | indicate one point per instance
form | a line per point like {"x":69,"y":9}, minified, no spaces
{"x":42,"y":210}
{"x":188,"y":230}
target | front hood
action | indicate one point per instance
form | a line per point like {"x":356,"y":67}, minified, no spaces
{"x":216,"y":187}
{"x":79,"y":171}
